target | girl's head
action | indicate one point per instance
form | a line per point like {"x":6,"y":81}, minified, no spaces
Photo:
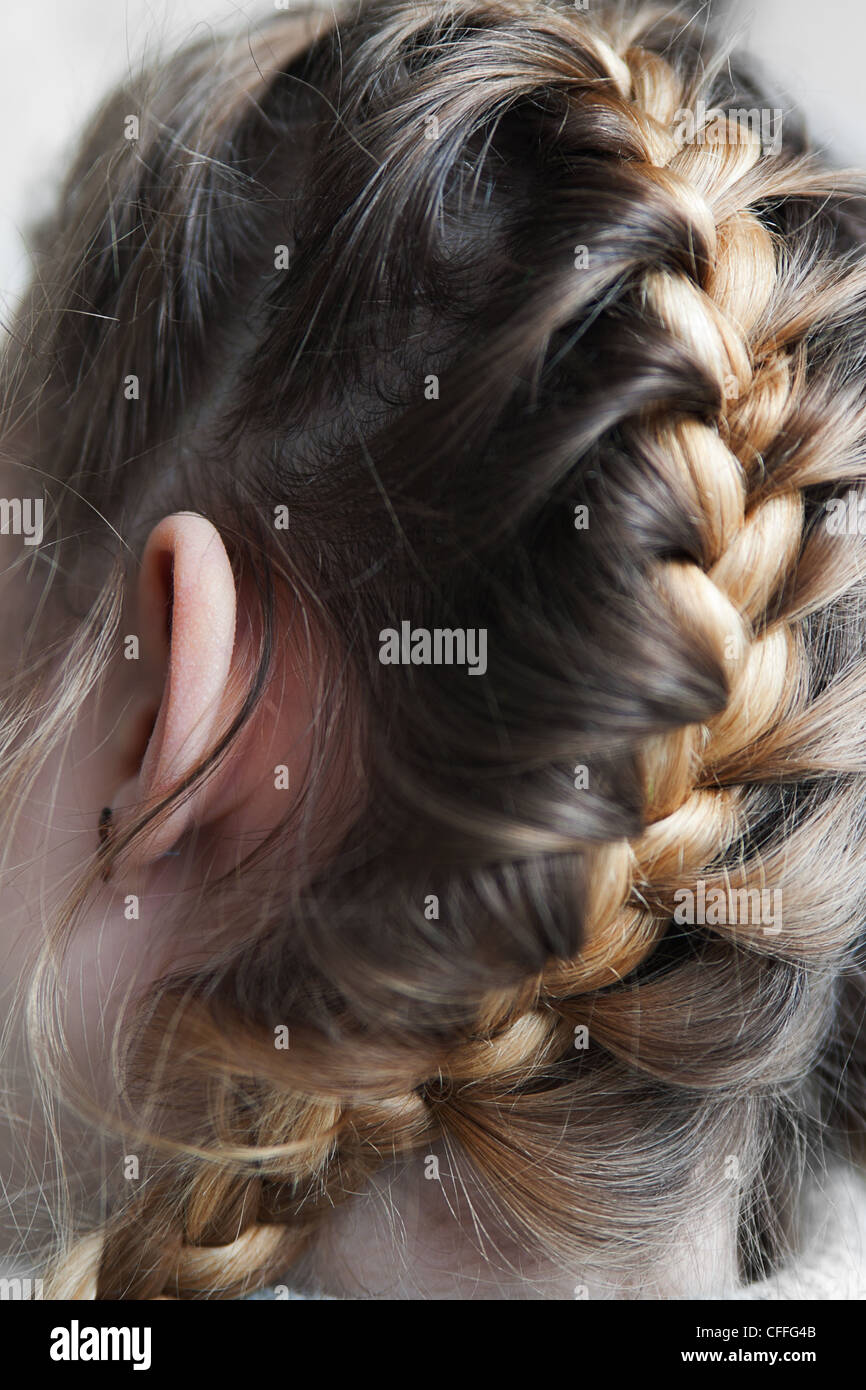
{"x":446,"y":418}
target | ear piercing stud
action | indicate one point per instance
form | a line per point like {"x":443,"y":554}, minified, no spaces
{"x":104,"y":836}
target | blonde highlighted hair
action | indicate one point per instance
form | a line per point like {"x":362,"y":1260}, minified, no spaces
{"x":624,"y":314}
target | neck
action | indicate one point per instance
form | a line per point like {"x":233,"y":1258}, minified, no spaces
{"x":414,"y":1236}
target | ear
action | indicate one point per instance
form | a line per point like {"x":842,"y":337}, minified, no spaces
{"x":197,"y":652}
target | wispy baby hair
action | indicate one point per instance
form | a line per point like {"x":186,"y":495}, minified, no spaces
{"x":536,"y":331}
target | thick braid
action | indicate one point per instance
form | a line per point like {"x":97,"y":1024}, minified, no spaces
{"x":749,"y":550}
{"x":737,"y":604}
